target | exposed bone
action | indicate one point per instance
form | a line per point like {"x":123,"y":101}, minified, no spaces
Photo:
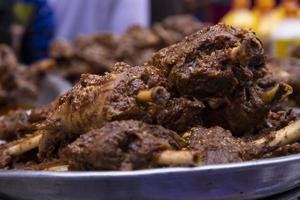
{"x":59,"y":168}
{"x":281,"y":91}
{"x":24,"y":145}
{"x":239,"y":53}
{"x":144,"y":95}
{"x":150,"y":94}
{"x":179,"y":158}
{"x":284,"y":136}
{"x":287,"y":135}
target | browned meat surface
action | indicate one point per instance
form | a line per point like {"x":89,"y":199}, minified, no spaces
{"x":212,"y":62}
{"x":121,"y":145}
{"x":98,"y":53}
{"x":61,"y":49}
{"x":175,"y":28}
{"x":225,"y":68}
{"x":247,"y":109}
{"x":287,"y":70}
{"x":22,"y":121}
{"x":15,"y":80}
{"x":277,"y":119}
{"x":5,"y":159}
{"x":284,"y":151}
{"x":129,"y":145}
{"x":136,"y":46}
{"x":215,"y":144}
{"x":212,"y":88}
{"x":128,"y":93}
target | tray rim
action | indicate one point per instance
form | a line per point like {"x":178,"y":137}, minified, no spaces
{"x":98,"y":174}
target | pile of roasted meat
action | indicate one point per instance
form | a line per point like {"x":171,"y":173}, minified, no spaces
{"x":16,"y":81}
{"x":97,"y":54}
{"x":208,"y":99}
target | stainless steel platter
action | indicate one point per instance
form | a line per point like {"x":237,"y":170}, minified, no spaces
{"x":237,"y":181}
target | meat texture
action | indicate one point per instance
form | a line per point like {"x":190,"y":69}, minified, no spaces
{"x":22,"y":121}
{"x":16,"y":82}
{"x":212,"y":88}
{"x":287,"y":70}
{"x":121,"y":145}
{"x":224,"y":67}
{"x":175,"y":28}
{"x":127,"y":93}
{"x":96,"y":54}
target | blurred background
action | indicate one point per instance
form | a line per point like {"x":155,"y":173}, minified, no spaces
{"x":68,"y":38}
{"x":29,"y":26}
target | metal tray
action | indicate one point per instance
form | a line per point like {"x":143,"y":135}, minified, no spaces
{"x":246,"y":180}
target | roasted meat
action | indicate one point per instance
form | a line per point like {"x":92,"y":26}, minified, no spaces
{"x":136,"y":46}
{"x":121,"y":145}
{"x":247,"y":109}
{"x":223,"y":67}
{"x":213,"y":89}
{"x":127,"y":93}
{"x":216,"y":144}
{"x":22,"y":121}
{"x":287,"y":70}
{"x":16,"y":82}
{"x":212,"y":62}
{"x":86,"y":55}
{"x":96,"y":54}
{"x":61,"y":49}
{"x":175,"y":28}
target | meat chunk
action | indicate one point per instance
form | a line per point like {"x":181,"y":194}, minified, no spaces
{"x":287,"y":70}
{"x":212,"y":62}
{"x":213,"y":88}
{"x":216,"y":144}
{"x":136,"y":46}
{"x":61,"y":49}
{"x":175,"y":28}
{"x":85,"y":55}
{"x":21,"y":121}
{"x":247,"y":109}
{"x":121,"y":145}
{"x":284,"y":151}
{"x":224,"y":67}
{"x":15,"y":80}
{"x":96,"y":54}
{"x":128,"y":93}
{"x":277,"y":119}
{"x":5,"y":158}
